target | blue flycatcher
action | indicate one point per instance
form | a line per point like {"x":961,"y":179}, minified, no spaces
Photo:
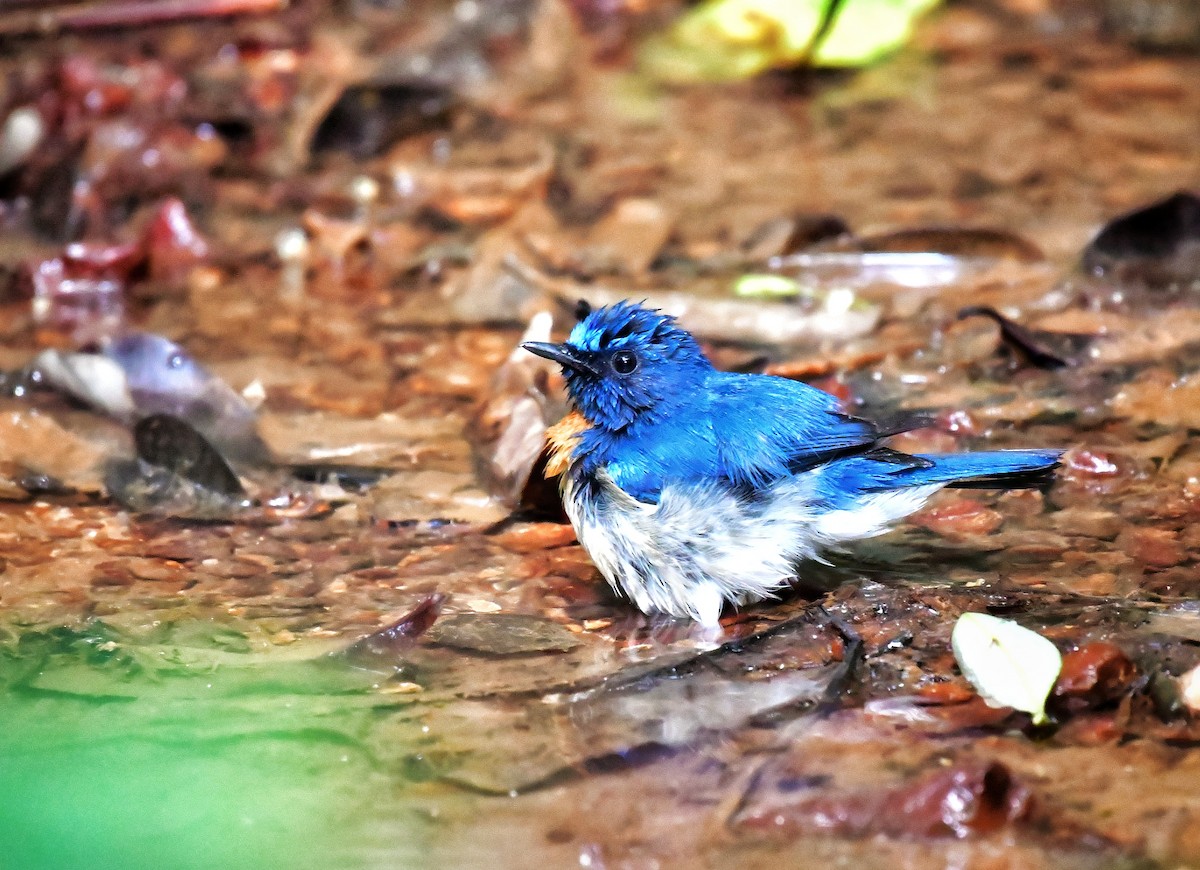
{"x":691,"y":487}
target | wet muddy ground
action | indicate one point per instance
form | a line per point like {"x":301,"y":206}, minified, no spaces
{"x":350,"y":216}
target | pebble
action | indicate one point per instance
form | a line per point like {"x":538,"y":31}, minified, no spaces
{"x":959,"y":518}
{"x":532,"y":537}
{"x":1155,"y":548}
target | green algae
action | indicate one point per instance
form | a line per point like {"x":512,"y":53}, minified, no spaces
{"x":131,"y":756}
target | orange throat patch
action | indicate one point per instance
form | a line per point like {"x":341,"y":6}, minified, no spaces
{"x":562,"y":439}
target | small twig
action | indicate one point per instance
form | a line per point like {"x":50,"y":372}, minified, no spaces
{"x":851,"y":657}
{"x":1034,"y":345}
{"x":128,"y":13}
{"x":6,"y":5}
{"x":738,"y":794}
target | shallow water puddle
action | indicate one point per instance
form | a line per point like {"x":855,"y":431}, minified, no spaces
{"x":148,"y":761}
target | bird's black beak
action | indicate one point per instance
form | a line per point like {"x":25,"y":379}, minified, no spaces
{"x":563,"y":354}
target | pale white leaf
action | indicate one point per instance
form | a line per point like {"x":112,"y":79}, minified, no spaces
{"x":1010,"y":666}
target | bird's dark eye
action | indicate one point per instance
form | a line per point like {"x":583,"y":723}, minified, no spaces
{"x":624,"y":362}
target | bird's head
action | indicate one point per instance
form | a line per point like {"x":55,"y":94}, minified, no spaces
{"x":625,"y":363}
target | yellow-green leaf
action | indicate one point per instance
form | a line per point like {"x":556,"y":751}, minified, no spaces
{"x":766,"y":286}
{"x":722,"y":40}
{"x":1010,"y":666}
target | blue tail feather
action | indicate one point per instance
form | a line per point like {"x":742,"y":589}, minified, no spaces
{"x":998,"y":469}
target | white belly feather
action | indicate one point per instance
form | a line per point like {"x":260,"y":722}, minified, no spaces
{"x":701,"y":545}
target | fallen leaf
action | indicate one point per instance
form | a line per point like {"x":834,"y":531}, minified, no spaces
{"x":969,"y":799}
{"x":382,"y":646}
{"x":502,"y":634}
{"x":766,"y":286}
{"x":1189,"y":689}
{"x":1009,"y":665}
{"x":723,"y":40}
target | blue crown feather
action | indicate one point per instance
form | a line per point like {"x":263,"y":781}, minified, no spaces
{"x":617,"y":325}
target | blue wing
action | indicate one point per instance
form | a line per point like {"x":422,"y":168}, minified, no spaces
{"x":767,"y":428}
{"x":747,"y":429}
